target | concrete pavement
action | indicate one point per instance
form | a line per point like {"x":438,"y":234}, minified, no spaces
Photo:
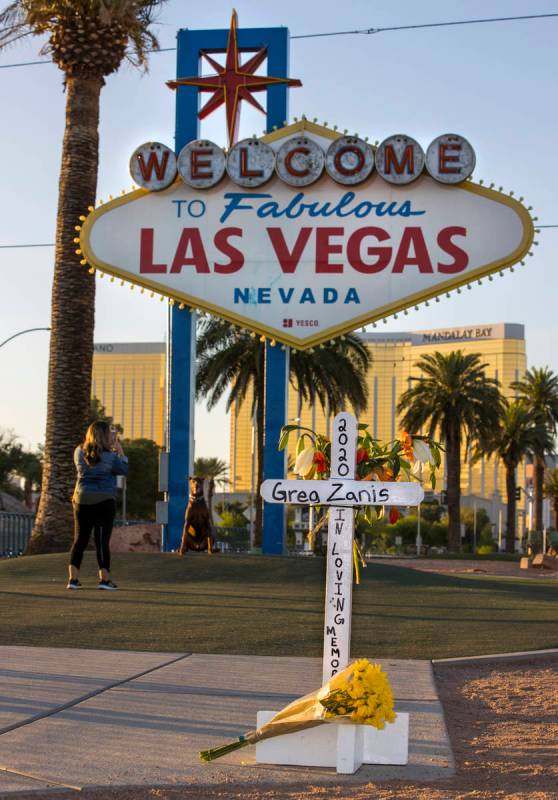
{"x":79,"y":718}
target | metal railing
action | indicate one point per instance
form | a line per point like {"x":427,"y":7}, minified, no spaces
{"x":232,"y":540}
{"x":15,"y":532}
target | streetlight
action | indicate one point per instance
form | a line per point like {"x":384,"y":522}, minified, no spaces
{"x":251,"y":522}
{"x":20,"y":333}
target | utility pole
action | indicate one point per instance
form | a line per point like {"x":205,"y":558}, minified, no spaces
{"x":474,"y":527}
{"x":418,"y":542}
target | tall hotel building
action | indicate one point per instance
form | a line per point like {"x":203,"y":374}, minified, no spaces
{"x":129,"y":380}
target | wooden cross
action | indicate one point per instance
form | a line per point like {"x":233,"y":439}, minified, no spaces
{"x":342,"y":492}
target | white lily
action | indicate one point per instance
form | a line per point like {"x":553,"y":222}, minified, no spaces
{"x":422,"y":452}
{"x":416,"y":468}
{"x":304,"y":461}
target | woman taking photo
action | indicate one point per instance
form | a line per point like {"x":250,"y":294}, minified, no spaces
{"x":98,"y":461}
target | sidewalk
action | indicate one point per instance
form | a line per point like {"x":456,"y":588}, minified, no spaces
{"x":83,"y":718}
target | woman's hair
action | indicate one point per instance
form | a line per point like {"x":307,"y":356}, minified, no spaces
{"x":97,"y":439}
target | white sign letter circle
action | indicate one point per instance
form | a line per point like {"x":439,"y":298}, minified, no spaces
{"x":399,"y":159}
{"x":450,"y":158}
{"x":201,"y":164}
{"x":250,"y":163}
{"x":153,"y":166}
{"x":349,"y":160}
{"x":300,"y":161}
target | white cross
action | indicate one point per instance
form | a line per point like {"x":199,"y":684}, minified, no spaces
{"x":342,"y":493}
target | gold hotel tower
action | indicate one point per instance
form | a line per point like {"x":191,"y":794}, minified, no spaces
{"x":129,"y":380}
{"x":394,"y":357}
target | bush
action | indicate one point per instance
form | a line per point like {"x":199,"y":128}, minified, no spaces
{"x":484,"y":527}
{"x":406,"y":527}
{"x":486,"y":549}
{"x":433,"y":534}
{"x":230,"y":518}
{"x":142,"y":481}
{"x":485,"y":537}
{"x":431,"y":511}
{"x":438,"y":536}
{"x":373,"y":537}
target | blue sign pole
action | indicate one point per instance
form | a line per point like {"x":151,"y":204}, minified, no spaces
{"x":181,"y":344}
{"x":276,"y":396}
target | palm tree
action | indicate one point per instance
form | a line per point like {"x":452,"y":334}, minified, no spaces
{"x":10,"y":455}
{"x":215,"y":471}
{"x":234,"y":360}
{"x":87,"y":40}
{"x":454,"y":399}
{"x":30,"y":468}
{"x":97,"y":411}
{"x":539,"y":391}
{"x":550,"y":489}
{"x":516,"y":435}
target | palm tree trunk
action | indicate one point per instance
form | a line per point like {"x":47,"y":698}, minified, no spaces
{"x":453,"y":460}
{"x":28,"y":492}
{"x":511,"y":503}
{"x":72,"y":320}
{"x":210,"y":494}
{"x":259,"y":388}
{"x":538,"y":486}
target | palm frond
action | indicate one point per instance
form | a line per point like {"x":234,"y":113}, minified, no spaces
{"x":13,"y":24}
{"x":85,"y":36}
{"x":333,"y":375}
{"x":453,"y":390}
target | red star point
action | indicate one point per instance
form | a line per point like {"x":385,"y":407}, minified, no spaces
{"x":233,"y":82}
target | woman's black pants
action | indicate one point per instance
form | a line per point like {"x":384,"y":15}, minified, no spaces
{"x":98,"y":518}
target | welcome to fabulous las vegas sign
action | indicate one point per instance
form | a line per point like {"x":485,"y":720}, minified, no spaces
{"x":306,"y":233}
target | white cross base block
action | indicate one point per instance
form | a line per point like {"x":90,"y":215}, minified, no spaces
{"x":344,"y":747}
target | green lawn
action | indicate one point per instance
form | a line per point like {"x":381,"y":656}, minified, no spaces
{"x":269,"y":606}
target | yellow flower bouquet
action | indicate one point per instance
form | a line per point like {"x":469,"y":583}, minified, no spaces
{"x":358,"y":694}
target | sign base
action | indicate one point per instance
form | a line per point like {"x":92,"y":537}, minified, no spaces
{"x":343,"y":747}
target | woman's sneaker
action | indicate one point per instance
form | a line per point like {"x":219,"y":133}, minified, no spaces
{"x":107,"y":585}
{"x":73,"y":583}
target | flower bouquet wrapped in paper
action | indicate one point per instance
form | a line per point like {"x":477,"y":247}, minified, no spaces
{"x":359,"y":694}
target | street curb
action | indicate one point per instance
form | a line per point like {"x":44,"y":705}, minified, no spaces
{"x":525,"y":655}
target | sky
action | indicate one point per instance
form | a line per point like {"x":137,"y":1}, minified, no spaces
{"x":494,"y":83}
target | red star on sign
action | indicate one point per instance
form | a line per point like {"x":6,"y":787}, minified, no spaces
{"x":233,"y":82}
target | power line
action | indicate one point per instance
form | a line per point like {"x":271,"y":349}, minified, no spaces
{"x":25,"y":64}
{"x":361,"y":32}
{"x":14,"y":246}
{"x":48,"y":61}
{"x":368,"y":31}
